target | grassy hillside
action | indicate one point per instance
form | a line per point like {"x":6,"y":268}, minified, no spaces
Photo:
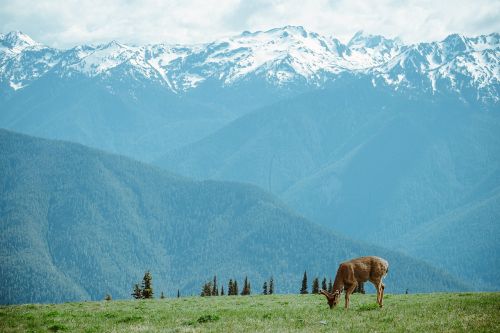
{"x":77,"y":223}
{"x":467,"y":312}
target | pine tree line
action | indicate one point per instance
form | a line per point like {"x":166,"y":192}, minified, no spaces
{"x":145,"y":290}
{"x":211,"y":288}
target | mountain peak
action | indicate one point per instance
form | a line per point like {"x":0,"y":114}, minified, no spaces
{"x":112,"y":44}
{"x":456,"y":43}
{"x":362,"y":39}
{"x":17,"y":40}
{"x":290,"y":30}
{"x":358,"y":35}
{"x":284,"y":31}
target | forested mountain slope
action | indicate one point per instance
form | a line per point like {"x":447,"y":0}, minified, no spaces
{"x":375,"y":165}
{"x":77,"y":223}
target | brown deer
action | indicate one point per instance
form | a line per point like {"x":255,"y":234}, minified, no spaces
{"x":355,"y":271}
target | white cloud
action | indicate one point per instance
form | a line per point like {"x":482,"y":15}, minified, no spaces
{"x":71,"y":22}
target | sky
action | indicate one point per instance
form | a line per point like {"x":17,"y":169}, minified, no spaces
{"x":66,"y":23}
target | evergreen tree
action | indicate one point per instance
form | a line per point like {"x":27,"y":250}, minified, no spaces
{"x":330,"y":286}
{"x":230,"y":289}
{"x":249,"y":289}
{"x":222,"y":290}
{"x":215,"y":290}
{"x":178,"y":293}
{"x":264,"y":288}
{"x":323,"y":284}
{"x":137,"y":293}
{"x":162,"y":296}
{"x":315,"y":286}
{"x":303,"y":289}
{"x":147,"y":285}
{"x":271,"y":286}
{"x":207,"y":289}
{"x":235,"y":286}
{"x":245,"y":287}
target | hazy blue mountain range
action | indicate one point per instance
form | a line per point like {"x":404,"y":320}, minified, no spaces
{"x":387,"y":142}
{"x":143,"y":101}
{"x":77,"y":223}
{"x":377,"y":167}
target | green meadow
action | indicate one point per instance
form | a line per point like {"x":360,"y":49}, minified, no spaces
{"x":447,"y":312}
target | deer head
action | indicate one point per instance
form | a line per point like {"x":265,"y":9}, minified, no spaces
{"x":333,"y":299}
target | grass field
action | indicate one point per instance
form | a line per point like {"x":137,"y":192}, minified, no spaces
{"x":471,"y":312}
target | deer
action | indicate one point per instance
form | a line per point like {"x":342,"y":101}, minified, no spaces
{"x":351,"y":273}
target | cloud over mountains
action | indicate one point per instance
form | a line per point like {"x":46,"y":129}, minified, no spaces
{"x":64,"y":23}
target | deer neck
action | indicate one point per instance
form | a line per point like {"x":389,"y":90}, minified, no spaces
{"x":338,"y":284}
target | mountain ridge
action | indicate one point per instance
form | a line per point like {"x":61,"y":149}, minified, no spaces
{"x":280,"y":56}
{"x":144,"y":101}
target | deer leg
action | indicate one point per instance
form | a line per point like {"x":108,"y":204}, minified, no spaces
{"x":348,"y":293}
{"x":382,"y":287}
{"x":378,"y":296}
{"x":377,"y":286}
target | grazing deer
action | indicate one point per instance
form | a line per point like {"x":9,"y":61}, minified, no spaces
{"x":355,"y":271}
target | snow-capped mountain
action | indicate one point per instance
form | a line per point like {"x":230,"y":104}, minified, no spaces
{"x":16,"y":41}
{"x":143,"y":101}
{"x":457,"y":64}
{"x":280,"y":57}
{"x":22,"y":60}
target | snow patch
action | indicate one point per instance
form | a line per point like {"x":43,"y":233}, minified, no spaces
{"x":192,"y":81}
{"x":16,"y":86}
